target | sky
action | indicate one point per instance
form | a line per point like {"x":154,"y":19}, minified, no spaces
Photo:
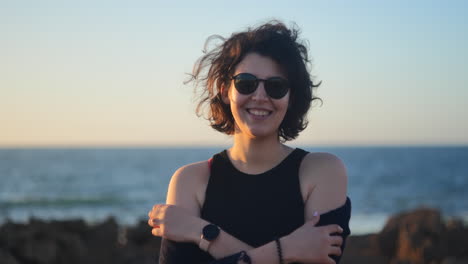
{"x":111,"y":73}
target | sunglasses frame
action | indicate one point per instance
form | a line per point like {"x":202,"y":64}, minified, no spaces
{"x":265,"y":84}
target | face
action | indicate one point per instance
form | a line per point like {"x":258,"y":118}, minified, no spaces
{"x":257,"y":115}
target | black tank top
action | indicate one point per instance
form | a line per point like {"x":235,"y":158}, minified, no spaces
{"x":253,"y":208}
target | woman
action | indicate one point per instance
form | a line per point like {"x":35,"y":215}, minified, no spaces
{"x":260,"y":201}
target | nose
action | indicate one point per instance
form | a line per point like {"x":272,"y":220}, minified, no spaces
{"x":260,"y":93}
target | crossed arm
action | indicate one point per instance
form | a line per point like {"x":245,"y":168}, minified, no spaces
{"x":179,"y":220}
{"x":307,"y":243}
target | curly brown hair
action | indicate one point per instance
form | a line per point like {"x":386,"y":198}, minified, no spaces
{"x":214,"y":70}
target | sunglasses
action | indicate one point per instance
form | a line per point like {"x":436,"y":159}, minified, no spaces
{"x":275,"y":87}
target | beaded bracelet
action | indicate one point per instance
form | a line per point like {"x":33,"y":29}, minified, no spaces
{"x":244,"y":257}
{"x":280,"y":253}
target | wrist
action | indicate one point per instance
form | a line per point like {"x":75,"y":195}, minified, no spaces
{"x":197,"y":229}
{"x":209,"y":234}
{"x":287,"y":251}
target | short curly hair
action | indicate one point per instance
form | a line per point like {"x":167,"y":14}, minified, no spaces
{"x":272,"y":39}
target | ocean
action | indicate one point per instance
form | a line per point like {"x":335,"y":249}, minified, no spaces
{"x":95,"y":183}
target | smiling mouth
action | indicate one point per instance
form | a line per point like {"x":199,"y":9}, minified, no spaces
{"x":259,"y":113}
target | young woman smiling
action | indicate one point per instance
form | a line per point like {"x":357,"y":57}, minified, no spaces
{"x":259,"y":201}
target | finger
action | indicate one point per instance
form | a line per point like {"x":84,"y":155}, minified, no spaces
{"x":155,"y":210}
{"x":315,"y":218}
{"x":334,"y":229}
{"x":154,"y":222}
{"x":336,"y":240}
{"x":156,"y":232}
{"x":335,"y":251}
{"x":151,"y":212}
{"x":330,"y":261}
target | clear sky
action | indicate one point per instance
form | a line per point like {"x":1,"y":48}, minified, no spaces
{"x":112,"y":72}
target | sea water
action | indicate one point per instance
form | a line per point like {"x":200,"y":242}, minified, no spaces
{"x":95,"y":183}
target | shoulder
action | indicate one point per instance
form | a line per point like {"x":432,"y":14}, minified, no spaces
{"x":187,"y":184}
{"x":324,"y":167}
{"x":191,"y":173}
{"x":324,"y":182}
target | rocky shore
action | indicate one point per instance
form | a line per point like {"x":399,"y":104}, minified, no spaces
{"x":416,"y":237}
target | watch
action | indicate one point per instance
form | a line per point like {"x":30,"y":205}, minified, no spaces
{"x":209,"y":233}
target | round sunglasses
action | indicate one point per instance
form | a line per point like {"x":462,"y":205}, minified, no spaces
{"x":275,"y":87}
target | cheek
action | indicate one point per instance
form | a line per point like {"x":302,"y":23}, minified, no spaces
{"x":237,"y":98}
{"x":283,"y":104}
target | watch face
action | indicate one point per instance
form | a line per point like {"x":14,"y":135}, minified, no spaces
{"x":210,"y":232}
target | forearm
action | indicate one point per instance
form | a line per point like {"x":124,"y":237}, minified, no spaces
{"x":308,"y":242}
{"x":269,"y":253}
{"x":224,"y":245}
{"x":177,"y":224}
{"x":266,"y":254}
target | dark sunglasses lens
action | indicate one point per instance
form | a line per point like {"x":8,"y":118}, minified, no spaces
{"x":276,"y":87}
{"x":245,"y":83}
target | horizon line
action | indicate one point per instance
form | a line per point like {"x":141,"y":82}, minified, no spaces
{"x":176,"y":146}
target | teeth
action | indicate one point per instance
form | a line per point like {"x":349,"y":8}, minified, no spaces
{"x":258,"y":112}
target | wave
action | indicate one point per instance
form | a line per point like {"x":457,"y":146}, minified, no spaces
{"x":61,"y":201}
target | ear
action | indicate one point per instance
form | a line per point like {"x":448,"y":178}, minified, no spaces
{"x":225,"y":94}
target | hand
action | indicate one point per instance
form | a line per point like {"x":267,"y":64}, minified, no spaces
{"x":313,"y":244}
{"x":175,"y":223}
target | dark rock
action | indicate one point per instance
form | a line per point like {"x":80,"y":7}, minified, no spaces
{"x":453,"y":260}
{"x":43,"y":242}
{"x":7,"y":258}
{"x":415,"y":237}
{"x":76,"y":226}
{"x":363,"y":249}
{"x":388,"y":237}
{"x":456,"y":239}
{"x":141,"y":246}
{"x":140,"y":234}
{"x":101,"y":241}
{"x":72,"y":249}
{"x":41,"y":250}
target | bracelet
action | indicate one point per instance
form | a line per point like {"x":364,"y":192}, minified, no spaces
{"x":280,"y":253}
{"x":244,"y":257}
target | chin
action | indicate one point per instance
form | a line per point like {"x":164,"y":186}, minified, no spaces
{"x":259,"y":134}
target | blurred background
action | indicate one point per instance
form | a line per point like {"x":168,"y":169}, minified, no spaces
{"x":95,"y":118}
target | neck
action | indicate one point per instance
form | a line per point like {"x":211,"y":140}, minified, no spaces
{"x":257,"y":155}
